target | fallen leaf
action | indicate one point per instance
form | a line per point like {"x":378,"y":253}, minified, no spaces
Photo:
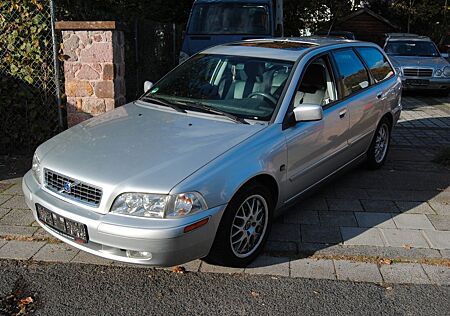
{"x":407,"y":246}
{"x":385,"y":261}
{"x":255,"y":294}
{"x":26,"y":301}
{"x":179,"y":269}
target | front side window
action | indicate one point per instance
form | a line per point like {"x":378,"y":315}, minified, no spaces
{"x":377,"y":63}
{"x":229,"y":18}
{"x":246,"y":87}
{"x":411,"y":48}
{"x":317,"y":86}
{"x":353,"y":74}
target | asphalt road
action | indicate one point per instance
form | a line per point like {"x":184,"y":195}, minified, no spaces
{"x":77,"y":289}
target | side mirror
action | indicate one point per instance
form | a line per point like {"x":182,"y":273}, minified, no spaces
{"x":147,"y":86}
{"x":308,"y":112}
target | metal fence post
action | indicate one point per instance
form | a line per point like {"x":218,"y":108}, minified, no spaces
{"x":174,"y":43}
{"x":56,"y":66}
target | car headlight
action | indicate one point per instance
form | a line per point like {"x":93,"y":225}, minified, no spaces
{"x":438,"y":73}
{"x":398,"y":70}
{"x":446,"y":71}
{"x":158,"y":205}
{"x":36,"y":168}
{"x":183,"y":56}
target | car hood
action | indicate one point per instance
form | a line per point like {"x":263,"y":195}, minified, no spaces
{"x":141,"y":148}
{"x":422,"y":62}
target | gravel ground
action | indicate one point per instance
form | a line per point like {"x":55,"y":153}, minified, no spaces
{"x":80,"y":289}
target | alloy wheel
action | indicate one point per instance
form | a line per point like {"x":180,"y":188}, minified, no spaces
{"x":249,"y":226}
{"x":381,"y":143}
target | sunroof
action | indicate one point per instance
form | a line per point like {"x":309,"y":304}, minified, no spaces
{"x":288,"y":45}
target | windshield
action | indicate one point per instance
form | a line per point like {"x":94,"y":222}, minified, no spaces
{"x":229,"y":18}
{"x":411,"y":48}
{"x":246,"y":87}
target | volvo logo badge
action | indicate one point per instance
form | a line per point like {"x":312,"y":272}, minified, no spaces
{"x":67,"y":186}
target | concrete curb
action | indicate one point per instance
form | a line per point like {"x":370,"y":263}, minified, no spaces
{"x":311,"y":268}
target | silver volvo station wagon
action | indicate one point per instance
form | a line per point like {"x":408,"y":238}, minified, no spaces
{"x":200,"y":165}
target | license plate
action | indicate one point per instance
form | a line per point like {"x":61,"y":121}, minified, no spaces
{"x":65,"y":226}
{"x":417,"y":82}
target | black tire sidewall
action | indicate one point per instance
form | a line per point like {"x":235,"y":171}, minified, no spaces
{"x":221,"y":252}
{"x":371,"y":161}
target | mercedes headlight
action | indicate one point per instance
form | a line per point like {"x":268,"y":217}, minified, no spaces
{"x":183,"y":57}
{"x":158,"y":205}
{"x":398,"y":70}
{"x":438,"y":73}
{"x":36,"y":168}
{"x":446,"y":71}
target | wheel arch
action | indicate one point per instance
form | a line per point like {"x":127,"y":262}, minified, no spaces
{"x":268,"y":181}
{"x":390,"y":117}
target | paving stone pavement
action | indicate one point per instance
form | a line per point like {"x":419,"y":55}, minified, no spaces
{"x":401,"y":211}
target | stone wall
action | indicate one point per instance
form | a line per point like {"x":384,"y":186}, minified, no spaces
{"x":94,"y":69}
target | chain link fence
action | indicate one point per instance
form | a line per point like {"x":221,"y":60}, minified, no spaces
{"x":31,"y":78}
{"x":28,"y":89}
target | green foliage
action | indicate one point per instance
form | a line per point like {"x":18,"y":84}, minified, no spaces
{"x":27,"y":106}
{"x":25,"y":121}
{"x":426,"y":17}
{"x":23,"y":30}
{"x":314,"y":15}
{"x":164,"y":11}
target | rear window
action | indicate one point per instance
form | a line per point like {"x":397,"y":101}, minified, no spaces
{"x":230,"y":18}
{"x":353,"y":74}
{"x":377,"y":63}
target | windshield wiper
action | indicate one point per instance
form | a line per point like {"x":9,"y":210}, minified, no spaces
{"x":163,"y":102}
{"x":200,"y":106}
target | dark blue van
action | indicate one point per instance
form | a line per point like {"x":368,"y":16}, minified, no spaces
{"x":215,"y":22}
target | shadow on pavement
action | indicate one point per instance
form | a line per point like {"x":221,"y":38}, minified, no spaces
{"x":12,"y":167}
{"x":405,"y":206}
{"x":361,"y":210}
{"x":430,"y":98}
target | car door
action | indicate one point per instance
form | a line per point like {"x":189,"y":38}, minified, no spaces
{"x":316,"y":149}
{"x":364,"y":102}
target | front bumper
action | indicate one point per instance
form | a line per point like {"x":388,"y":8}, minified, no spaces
{"x":111,"y":235}
{"x":433,"y":83}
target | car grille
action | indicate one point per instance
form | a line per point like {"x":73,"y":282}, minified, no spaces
{"x":417,"y":72}
{"x":78,"y":191}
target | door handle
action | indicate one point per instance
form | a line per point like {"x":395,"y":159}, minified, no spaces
{"x":342,"y":113}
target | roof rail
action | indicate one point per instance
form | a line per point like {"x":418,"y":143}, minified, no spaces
{"x":406,"y":36}
{"x":402,"y":35}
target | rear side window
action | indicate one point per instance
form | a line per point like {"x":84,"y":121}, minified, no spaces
{"x":377,"y":63}
{"x":353,"y":74}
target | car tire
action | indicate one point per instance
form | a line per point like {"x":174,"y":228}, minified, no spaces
{"x":379,"y":148}
{"x":444,"y":93}
{"x":246,"y":220}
